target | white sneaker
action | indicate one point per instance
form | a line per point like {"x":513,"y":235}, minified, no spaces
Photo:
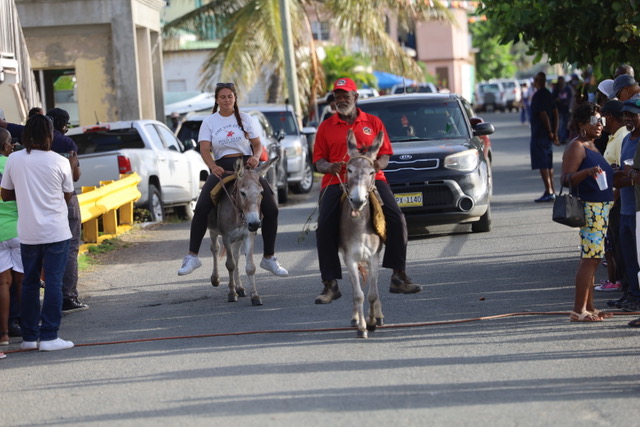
{"x":189,"y":263}
{"x":57,"y":344}
{"x":28,"y":345}
{"x":272,"y":265}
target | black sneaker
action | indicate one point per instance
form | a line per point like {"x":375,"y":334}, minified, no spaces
{"x":69,"y":305}
{"x":617,"y":302}
{"x":15,"y":330}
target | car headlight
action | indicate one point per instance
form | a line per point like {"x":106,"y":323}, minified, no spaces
{"x":293,"y":152}
{"x":465,"y":161}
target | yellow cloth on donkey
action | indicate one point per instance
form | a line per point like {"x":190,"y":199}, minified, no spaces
{"x":215,"y":193}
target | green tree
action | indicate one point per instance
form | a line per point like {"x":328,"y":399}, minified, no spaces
{"x":493,"y":60}
{"x":599,"y":33}
{"x":252,"y":46}
{"x":339,"y":64}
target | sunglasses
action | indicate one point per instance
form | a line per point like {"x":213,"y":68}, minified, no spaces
{"x":227,"y":85}
{"x":593,"y":121}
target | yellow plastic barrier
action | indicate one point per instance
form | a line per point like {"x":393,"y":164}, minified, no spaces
{"x":113,"y":202}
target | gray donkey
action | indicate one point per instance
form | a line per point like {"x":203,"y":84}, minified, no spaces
{"x":359,"y":244}
{"x":236,"y":218}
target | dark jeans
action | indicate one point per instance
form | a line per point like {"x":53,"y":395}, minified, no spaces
{"x":42,"y":324}
{"x":328,"y":232}
{"x":204,"y":205}
{"x":70,"y":278}
{"x":628,"y":246}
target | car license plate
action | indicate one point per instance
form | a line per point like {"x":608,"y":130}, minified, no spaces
{"x":406,"y":200}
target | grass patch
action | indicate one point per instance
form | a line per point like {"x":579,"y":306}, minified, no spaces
{"x":86,"y":260}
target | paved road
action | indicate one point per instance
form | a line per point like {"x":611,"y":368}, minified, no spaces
{"x":424,"y":369}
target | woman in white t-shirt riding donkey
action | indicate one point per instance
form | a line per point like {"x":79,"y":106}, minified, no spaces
{"x":229,"y":133}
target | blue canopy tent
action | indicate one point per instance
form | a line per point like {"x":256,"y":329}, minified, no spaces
{"x":388,"y":80}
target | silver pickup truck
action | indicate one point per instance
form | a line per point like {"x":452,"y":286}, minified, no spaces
{"x":171,"y":173}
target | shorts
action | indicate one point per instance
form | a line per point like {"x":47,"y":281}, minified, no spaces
{"x":10,"y":258}
{"x":541,"y":152}
{"x":592,"y":235}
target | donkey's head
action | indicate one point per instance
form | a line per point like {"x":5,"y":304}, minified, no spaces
{"x":361,"y":171}
{"x":249,"y":192}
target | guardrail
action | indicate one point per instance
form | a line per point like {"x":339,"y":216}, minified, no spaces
{"x":111,"y":202}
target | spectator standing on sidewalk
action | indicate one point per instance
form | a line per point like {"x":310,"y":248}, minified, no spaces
{"x":614,"y":125}
{"x":66,"y":147}
{"x":10,"y":260}
{"x":544,"y":134}
{"x":624,"y":183}
{"x":40,"y":181}
{"x":581,"y":163}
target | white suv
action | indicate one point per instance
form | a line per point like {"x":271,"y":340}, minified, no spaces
{"x":512,"y":93}
{"x":297,"y":144}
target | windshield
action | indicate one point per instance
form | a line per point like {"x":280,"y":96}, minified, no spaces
{"x":189,"y":130}
{"x":414,"y":89}
{"x":282,"y":120}
{"x":107,"y":140}
{"x":489,"y":88}
{"x":420,"y":119}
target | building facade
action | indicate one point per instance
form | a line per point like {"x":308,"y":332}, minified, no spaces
{"x":99,"y":59}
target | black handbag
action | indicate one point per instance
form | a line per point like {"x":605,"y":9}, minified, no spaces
{"x":568,"y":210}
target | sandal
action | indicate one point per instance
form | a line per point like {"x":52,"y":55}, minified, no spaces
{"x":584,"y":317}
{"x":2,"y":355}
{"x":602,"y":314}
{"x":635,"y":323}
{"x":4,"y":334}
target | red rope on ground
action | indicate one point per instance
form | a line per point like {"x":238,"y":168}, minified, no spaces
{"x":289,"y":331}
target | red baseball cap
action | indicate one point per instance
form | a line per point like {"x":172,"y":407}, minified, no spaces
{"x":345,"y":84}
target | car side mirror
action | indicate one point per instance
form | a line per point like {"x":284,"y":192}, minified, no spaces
{"x":309,"y":130}
{"x":483,"y":129}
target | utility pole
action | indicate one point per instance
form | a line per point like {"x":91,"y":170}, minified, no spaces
{"x":290,"y":60}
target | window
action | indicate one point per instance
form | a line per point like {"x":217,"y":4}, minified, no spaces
{"x":320,"y":30}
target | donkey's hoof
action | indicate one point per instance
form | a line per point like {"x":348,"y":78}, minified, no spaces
{"x":241,"y":292}
{"x":256,"y":301}
{"x":371,"y":327}
{"x":232,"y":298}
{"x":380,"y":321}
{"x":215,"y":281}
{"x":362,"y":334}
{"x":354,"y":323}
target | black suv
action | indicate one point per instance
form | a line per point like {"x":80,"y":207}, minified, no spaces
{"x":440,"y":172}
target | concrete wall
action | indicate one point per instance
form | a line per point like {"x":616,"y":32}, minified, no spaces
{"x":114,"y":46}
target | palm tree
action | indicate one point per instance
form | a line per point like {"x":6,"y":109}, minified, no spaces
{"x":252,"y":46}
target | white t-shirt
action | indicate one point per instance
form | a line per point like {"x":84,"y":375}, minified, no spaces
{"x":225,"y":135}
{"x":39,"y":179}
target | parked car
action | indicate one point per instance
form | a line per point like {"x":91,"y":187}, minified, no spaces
{"x":490,"y":96}
{"x":171,"y":174}
{"x":298,"y":144}
{"x":414,"y":88}
{"x":189,"y":129}
{"x":513,"y":93}
{"x":440,"y":172}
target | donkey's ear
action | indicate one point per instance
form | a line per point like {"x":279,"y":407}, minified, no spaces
{"x":264,"y":167}
{"x":352,"y":146}
{"x":239,"y":166}
{"x":377,"y":143}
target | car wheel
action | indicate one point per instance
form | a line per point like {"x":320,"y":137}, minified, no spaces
{"x":484,"y":223}
{"x":156,"y":210}
{"x":306,"y":183}
{"x":185,"y":212}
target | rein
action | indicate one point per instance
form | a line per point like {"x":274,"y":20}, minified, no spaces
{"x":233,"y":199}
